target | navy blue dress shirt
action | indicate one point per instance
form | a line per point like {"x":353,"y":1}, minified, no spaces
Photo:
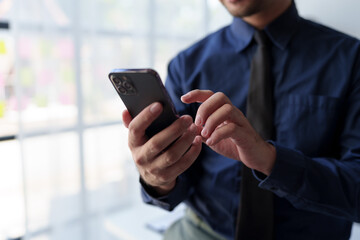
{"x":316,"y":177}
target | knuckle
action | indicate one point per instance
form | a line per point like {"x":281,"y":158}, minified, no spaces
{"x":154,"y":146}
{"x":139,"y":161}
{"x":219,"y":95}
{"x":133,"y":130}
{"x":153,"y":171}
{"x":228,"y":108}
{"x":232,"y":127}
{"x":222,"y":96}
{"x":168,"y":158}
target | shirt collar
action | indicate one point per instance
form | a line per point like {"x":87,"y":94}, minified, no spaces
{"x":279,"y":31}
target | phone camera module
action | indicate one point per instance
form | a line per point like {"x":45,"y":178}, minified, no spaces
{"x":124,"y":85}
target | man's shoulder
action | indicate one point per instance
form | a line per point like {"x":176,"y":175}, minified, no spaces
{"x":209,"y":44}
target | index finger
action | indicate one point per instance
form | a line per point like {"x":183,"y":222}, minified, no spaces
{"x":196,"y":95}
{"x":211,"y":102}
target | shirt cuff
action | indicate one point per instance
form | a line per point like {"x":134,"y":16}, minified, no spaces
{"x":169,"y":201}
{"x":284,"y":178}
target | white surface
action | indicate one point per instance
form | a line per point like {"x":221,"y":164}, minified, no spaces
{"x":164,"y":222}
{"x":132,"y":224}
{"x":342,"y":15}
{"x":355,"y":235}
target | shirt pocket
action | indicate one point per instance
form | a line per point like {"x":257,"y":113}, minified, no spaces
{"x":309,"y":123}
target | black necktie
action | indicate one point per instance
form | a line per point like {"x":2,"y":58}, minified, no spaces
{"x":256,"y":210}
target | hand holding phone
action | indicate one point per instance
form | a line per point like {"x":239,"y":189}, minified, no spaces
{"x":138,"y":88}
{"x":163,"y":157}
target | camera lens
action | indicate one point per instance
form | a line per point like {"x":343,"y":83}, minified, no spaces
{"x":116,"y":80}
{"x":127,"y":85}
{"x":122,"y":90}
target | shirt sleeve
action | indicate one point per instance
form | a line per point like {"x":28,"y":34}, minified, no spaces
{"x":169,"y":201}
{"x":321,"y":184}
{"x":183,"y":187}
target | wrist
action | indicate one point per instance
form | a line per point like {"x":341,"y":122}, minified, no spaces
{"x":157,"y":191}
{"x":270,"y":158}
{"x":165,"y":189}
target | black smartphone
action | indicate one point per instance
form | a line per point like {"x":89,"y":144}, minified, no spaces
{"x":138,"y":88}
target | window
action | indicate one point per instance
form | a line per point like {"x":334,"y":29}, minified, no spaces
{"x":64,"y":162}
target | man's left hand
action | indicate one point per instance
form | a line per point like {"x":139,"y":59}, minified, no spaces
{"x":226,"y":130}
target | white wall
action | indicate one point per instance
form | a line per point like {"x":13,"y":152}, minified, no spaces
{"x":342,"y":15}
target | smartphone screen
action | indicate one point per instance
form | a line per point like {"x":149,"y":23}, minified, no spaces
{"x":138,"y":88}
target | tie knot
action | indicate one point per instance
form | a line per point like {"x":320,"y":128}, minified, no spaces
{"x":261,"y":38}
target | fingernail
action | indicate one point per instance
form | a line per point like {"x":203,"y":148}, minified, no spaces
{"x":197,"y":140}
{"x":209,"y":142}
{"x":155,"y":108}
{"x":204,"y":132}
{"x":186,"y":95}
{"x":198,"y":121}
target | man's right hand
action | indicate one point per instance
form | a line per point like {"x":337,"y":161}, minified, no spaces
{"x":160,"y":160}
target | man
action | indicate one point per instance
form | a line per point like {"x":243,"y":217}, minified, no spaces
{"x":312,"y":164}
